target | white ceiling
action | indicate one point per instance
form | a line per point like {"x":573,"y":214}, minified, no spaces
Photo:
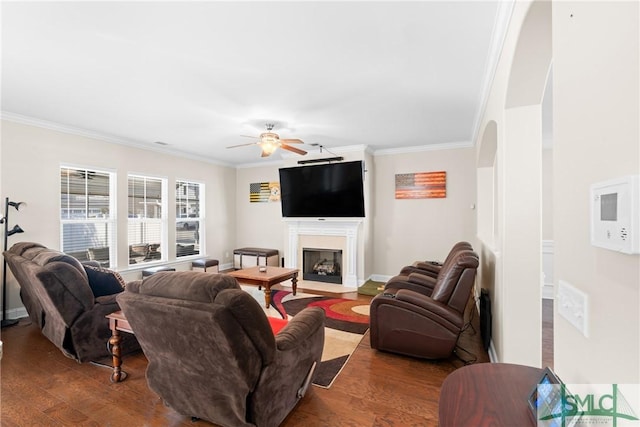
{"x":197,"y":75}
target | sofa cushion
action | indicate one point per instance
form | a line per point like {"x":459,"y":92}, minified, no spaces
{"x":104,"y":281}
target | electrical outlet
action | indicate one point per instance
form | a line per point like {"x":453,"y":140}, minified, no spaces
{"x":573,"y":306}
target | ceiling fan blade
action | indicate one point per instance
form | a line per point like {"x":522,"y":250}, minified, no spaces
{"x":249,"y":136}
{"x":292,"y":141}
{"x":294,"y":149}
{"x":242,"y":145}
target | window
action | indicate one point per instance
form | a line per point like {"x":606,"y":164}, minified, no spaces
{"x":146,"y":222}
{"x":189,"y":218}
{"x":87,"y":214}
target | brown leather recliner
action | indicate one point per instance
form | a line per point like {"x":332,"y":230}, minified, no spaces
{"x":212,"y":353}
{"x":422,"y":276}
{"x":432,"y":268}
{"x":425,"y":324}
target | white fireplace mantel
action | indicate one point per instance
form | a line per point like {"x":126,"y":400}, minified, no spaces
{"x":342,"y":227}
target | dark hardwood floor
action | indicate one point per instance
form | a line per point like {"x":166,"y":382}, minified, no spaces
{"x":547,"y":333}
{"x":40,"y":386}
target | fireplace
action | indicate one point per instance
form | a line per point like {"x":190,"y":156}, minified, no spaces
{"x":322,"y":265}
{"x":341,"y":234}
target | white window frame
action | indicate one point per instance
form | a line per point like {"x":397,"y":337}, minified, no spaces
{"x":162,"y":220}
{"x":111,"y":220}
{"x":200,"y":219}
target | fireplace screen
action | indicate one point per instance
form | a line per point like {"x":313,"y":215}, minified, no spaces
{"x":322,"y":265}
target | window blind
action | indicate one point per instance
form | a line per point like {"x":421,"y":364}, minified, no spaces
{"x":189,"y":218}
{"x":86,"y":214}
{"x":145,"y":219}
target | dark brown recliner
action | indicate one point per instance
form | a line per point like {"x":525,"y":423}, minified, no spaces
{"x":422,"y":276}
{"x":55,"y":290}
{"x":425,"y":324}
{"x":212,"y":354}
{"x":432,"y":268}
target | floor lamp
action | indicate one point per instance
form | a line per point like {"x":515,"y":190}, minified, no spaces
{"x":16,"y":229}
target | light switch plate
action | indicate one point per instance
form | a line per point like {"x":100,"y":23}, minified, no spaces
{"x":573,"y":305}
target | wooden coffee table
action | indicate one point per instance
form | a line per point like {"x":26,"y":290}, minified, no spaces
{"x":272,"y":276}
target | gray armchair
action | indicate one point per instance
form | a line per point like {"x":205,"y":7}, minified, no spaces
{"x":212,"y":354}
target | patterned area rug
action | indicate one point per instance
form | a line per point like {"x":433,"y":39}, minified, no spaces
{"x":346,"y":322}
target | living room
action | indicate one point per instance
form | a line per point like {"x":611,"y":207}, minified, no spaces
{"x":595,"y":138}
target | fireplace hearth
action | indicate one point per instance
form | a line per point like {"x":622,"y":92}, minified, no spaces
{"x":322,"y":265}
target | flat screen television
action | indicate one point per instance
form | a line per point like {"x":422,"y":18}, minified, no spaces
{"x":328,"y":190}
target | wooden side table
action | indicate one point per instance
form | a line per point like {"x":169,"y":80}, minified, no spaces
{"x":488,"y":394}
{"x":117,"y":323}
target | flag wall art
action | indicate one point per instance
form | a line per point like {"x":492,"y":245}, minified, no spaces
{"x":421,"y":185}
{"x":260,"y":192}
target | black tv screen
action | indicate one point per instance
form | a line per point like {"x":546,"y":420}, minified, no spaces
{"x":328,"y":190}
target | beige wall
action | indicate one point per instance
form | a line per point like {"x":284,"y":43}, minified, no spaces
{"x":422,"y":229}
{"x":511,"y":265}
{"x":258,"y":224}
{"x":596,"y":137}
{"x":30,"y":172}
{"x":547,"y":194}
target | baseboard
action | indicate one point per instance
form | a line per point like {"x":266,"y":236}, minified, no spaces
{"x":17,"y":313}
{"x":226,"y":266}
{"x":379,"y":278}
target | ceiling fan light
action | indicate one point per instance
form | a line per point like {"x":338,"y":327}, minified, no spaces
{"x":268,"y":147}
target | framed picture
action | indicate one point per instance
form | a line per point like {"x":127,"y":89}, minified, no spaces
{"x":261,"y":192}
{"x":421,"y":185}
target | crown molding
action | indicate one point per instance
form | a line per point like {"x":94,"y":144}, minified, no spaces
{"x":30,"y":121}
{"x":501,"y":24}
{"x":421,"y":148}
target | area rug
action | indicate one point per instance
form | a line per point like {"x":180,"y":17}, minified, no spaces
{"x":311,"y":286}
{"x":345,"y":324}
{"x":371,"y":288}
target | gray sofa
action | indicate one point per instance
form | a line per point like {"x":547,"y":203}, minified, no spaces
{"x":212,"y":354}
{"x":55,"y":290}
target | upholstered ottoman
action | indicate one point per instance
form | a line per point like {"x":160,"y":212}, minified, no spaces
{"x":205,"y":264}
{"x":251,"y":257}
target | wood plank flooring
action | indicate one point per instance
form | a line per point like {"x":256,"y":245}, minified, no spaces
{"x":547,"y":333}
{"x":40,"y":386}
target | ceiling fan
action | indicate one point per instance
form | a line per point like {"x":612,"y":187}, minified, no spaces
{"x":269,"y":142}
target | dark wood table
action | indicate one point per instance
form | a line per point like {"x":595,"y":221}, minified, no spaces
{"x":117,"y":323}
{"x":271,"y":276}
{"x":488,"y":394}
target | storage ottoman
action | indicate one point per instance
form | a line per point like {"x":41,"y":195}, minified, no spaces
{"x":251,"y":257}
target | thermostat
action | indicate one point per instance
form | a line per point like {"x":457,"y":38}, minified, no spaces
{"x":615,"y":214}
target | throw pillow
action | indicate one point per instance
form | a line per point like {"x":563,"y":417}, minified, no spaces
{"x":104,"y":281}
